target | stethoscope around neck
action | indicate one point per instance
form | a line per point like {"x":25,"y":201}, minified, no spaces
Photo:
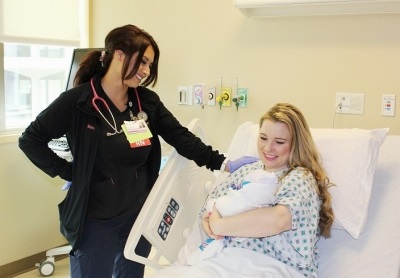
{"x":140,"y":115}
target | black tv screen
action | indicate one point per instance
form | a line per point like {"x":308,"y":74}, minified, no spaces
{"x":77,"y":56}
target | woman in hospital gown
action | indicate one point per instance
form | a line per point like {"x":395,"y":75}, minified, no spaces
{"x":280,"y":239}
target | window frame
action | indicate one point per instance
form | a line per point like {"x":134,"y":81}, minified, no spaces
{"x":12,"y":133}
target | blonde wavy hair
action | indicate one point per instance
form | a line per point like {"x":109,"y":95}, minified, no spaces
{"x":304,"y":154}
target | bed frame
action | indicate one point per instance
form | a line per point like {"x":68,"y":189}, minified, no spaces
{"x":172,"y":207}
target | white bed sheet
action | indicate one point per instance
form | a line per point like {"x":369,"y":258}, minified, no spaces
{"x":232,"y":263}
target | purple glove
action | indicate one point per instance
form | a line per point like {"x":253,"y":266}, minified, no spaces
{"x":67,"y":185}
{"x":236,"y":164}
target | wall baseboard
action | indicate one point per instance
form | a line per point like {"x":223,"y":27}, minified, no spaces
{"x":26,"y":264}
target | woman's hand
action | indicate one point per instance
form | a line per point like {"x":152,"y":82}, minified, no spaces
{"x":215,"y":215}
{"x":260,"y":222}
{"x":205,"y":223}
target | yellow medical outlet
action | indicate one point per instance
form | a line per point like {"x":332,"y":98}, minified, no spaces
{"x":226,"y":96}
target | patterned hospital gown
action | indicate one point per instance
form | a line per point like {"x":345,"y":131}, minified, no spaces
{"x":297,"y":247}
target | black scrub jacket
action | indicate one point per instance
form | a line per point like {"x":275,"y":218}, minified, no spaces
{"x":73,"y":115}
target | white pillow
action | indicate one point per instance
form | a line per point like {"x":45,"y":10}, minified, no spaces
{"x":349,"y":157}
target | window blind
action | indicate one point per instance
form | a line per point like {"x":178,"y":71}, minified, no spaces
{"x":40,"y":21}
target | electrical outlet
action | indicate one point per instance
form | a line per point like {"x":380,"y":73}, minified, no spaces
{"x":349,"y":103}
{"x":388,"y":105}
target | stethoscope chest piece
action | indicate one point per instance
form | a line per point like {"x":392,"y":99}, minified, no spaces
{"x":142,"y":116}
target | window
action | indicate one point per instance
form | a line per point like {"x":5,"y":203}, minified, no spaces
{"x":35,"y":61}
{"x":34,"y":75}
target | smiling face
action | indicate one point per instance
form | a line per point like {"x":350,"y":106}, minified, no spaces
{"x":274,"y":145}
{"x":144,"y":68}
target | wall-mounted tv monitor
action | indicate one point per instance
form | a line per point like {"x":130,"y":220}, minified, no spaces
{"x":77,"y":56}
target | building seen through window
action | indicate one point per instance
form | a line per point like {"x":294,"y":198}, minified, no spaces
{"x":34,"y":75}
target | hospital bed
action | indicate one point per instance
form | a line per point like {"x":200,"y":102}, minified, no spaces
{"x":364,"y":165}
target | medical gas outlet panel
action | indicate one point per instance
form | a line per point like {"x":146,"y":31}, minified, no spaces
{"x":221,"y":96}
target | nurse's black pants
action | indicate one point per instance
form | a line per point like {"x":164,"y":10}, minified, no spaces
{"x":101,"y":253}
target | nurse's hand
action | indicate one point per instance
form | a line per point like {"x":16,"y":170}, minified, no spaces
{"x":233,"y":165}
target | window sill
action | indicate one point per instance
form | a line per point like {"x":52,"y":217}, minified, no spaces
{"x":9,"y":138}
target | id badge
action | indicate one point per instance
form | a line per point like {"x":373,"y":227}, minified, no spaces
{"x":138,"y":126}
{"x":137,"y":133}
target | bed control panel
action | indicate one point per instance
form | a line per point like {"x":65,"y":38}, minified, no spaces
{"x":59,"y":144}
{"x":168,"y":219}
{"x":61,"y":148}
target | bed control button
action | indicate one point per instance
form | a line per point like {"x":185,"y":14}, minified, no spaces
{"x":171,"y":212}
{"x":174,"y":204}
{"x":163,"y":230}
{"x":168,"y":219}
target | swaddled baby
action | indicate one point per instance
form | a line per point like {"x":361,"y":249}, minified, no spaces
{"x":257,"y":190}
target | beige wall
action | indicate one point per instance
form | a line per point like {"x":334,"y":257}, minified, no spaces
{"x":304,"y":61}
{"x":28,"y":202}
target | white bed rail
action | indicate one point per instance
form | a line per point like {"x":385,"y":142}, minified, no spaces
{"x":171,"y":208}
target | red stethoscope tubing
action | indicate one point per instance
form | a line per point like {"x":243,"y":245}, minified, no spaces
{"x":114,"y":125}
{"x":138,"y":100}
{"x":96,"y":97}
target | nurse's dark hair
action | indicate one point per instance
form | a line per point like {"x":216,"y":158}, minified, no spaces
{"x":304,"y":155}
{"x":130,"y":40}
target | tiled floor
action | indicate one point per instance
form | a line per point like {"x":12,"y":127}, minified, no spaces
{"x":62,"y":271}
